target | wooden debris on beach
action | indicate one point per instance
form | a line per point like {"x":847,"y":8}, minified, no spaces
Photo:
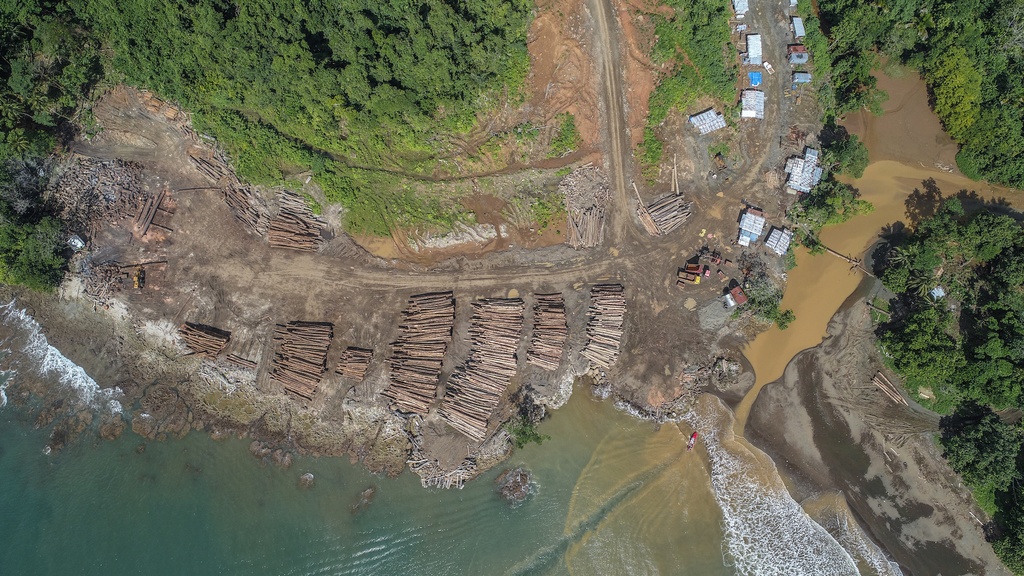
{"x":549,"y":332}
{"x":248,"y":207}
{"x":354,"y":363}
{"x":889,"y":389}
{"x":476,"y":387}
{"x":417,"y":354}
{"x":204,"y":340}
{"x":605,"y":323}
{"x":300,"y":357}
{"x":587,"y":195}
{"x":295,"y":226}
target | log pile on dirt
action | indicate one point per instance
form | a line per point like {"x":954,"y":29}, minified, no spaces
{"x":476,"y":387}
{"x":204,"y":340}
{"x":669,"y":212}
{"x":295,"y":226}
{"x":586,"y":227}
{"x":147,"y":212}
{"x":92,"y":191}
{"x":102,"y":281}
{"x":587,"y":195}
{"x":248,"y":207}
{"x":415,"y":363}
{"x":300,"y":358}
{"x":210,"y":163}
{"x":887,"y":388}
{"x":604,"y":327}
{"x":354,"y":363}
{"x":549,"y":332}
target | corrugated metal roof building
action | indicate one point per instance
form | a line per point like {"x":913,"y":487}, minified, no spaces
{"x":798,"y":54}
{"x":778,"y":240}
{"x":740,"y":7}
{"x":752,"y":104}
{"x":754,"y":54}
{"x":751,"y":226}
{"x":708,"y":121}
{"x":801,"y":77}
{"x":798,"y":28}
{"x":804,"y":173}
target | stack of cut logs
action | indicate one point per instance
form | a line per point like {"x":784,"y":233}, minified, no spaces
{"x":888,"y":389}
{"x":415,"y":364}
{"x":586,"y":227}
{"x":354,"y":362}
{"x":144,"y":217}
{"x":300,"y":359}
{"x":295,"y":226}
{"x":549,"y":332}
{"x":209,"y":164}
{"x":247,"y":206}
{"x":669,"y":213}
{"x":204,"y":340}
{"x":476,"y":387}
{"x":604,"y":327}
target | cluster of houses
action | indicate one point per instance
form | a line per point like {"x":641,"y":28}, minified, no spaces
{"x":752,"y":225}
{"x":752,"y":99}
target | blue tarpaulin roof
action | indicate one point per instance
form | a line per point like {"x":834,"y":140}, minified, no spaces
{"x":755,"y":78}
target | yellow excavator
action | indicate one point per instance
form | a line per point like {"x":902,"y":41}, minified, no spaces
{"x":139,"y":278}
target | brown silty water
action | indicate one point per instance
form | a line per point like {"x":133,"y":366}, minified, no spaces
{"x":906,"y":147}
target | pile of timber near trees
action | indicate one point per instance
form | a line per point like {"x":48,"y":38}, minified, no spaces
{"x":300,"y":357}
{"x":587,"y":194}
{"x":477,"y":386}
{"x":204,"y":340}
{"x":606,"y":318}
{"x":294,"y":226}
{"x":90,"y":192}
{"x":417,"y":354}
{"x":549,"y":332}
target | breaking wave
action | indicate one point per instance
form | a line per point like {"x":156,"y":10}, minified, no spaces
{"x":765,"y":529}
{"x":49,"y":362}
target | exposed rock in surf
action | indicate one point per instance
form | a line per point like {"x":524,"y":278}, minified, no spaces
{"x":306,"y":480}
{"x":111,"y":427}
{"x":164,"y":413}
{"x":515,"y":484}
{"x":365,"y":497}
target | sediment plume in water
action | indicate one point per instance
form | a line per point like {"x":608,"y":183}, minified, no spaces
{"x":766,"y":531}
{"x":46,"y":361}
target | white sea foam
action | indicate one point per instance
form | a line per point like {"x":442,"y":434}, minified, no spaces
{"x":3,"y":394}
{"x":765,"y":530}
{"x":50,"y":362}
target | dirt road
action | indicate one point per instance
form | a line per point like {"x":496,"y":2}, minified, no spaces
{"x":617,"y":148}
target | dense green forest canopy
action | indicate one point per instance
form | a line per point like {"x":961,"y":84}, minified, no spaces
{"x":341,"y":88}
{"x":965,"y":349}
{"x":969,"y":53}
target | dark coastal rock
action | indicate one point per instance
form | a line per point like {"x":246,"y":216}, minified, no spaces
{"x":164,"y":413}
{"x":111,"y":427}
{"x":306,"y":480}
{"x":515,"y":484}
